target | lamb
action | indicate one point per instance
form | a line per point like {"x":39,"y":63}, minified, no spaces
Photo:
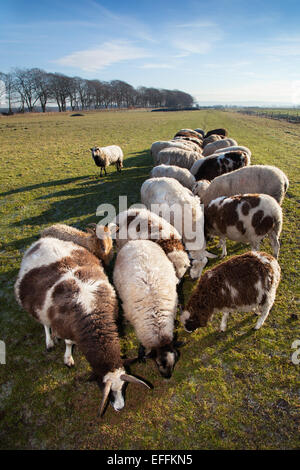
{"x":137,"y":223}
{"x":234,"y":148}
{"x":245,"y":218}
{"x":221,"y":131}
{"x":178,"y":157}
{"x":209,"y":149}
{"x":105,"y":156}
{"x":215,"y":165}
{"x":211,"y":138}
{"x":100,"y":245}
{"x":64,"y":287}
{"x":175,"y":203}
{"x":182,"y":175}
{"x":156,"y":147}
{"x":245,"y":282}
{"x":255,"y":179}
{"x":146,"y":283}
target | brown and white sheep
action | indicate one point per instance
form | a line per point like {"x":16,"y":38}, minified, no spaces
{"x":221,"y":131}
{"x":64,"y":287}
{"x":245,"y":283}
{"x":246,"y":218}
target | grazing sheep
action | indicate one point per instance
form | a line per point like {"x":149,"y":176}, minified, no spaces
{"x":210,"y":139}
{"x":64,"y":287}
{"x":156,"y":147}
{"x":179,"y":207}
{"x":234,"y":148}
{"x":200,"y":131}
{"x":215,"y":165}
{"x":190,"y":140}
{"x":219,"y":144}
{"x":182,"y":175}
{"x":99,"y":244}
{"x":220,"y":131}
{"x":105,"y":156}
{"x":178,"y":157}
{"x":142,"y":224}
{"x":146,"y":283}
{"x":245,"y":218}
{"x":245,"y":282}
{"x":188,"y":133}
{"x":255,"y":179}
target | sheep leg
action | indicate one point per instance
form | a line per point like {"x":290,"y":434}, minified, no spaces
{"x":141,"y":353}
{"x":68,"y":359}
{"x":255,"y":246}
{"x":223,"y":325}
{"x":222,"y":243}
{"x":105,"y":171}
{"x":274,"y":244}
{"x":49,"y":340}
{"x":262,"y":318}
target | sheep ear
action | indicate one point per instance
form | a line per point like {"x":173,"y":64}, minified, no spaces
{"x":132,"y":379}
{"x":105,"y":396}
{"x":210,"y":255}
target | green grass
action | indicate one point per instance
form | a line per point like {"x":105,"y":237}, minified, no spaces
{"x":236,"y":390}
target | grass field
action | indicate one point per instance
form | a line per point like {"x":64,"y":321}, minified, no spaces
{"x":236,"y":390}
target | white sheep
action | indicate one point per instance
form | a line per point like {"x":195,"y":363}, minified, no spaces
{"x":183,"y":175}
{"x":245,"y":283}
{"x":209,"y":149}
{"x":255,"y":179}
{"x":156,"y":147}
{"x":145,"y":280}
{"x":178,"y":157}
{"x":172,"y":201}
{"x":245,"y":218}
{"x":141,"y":224}
{"x":105,"y":156}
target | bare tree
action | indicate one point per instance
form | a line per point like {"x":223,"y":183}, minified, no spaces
{"x":8,"y":89}
{"x":60,"y":89}
{"x":41,"y":84}
{"x":24,"y":85}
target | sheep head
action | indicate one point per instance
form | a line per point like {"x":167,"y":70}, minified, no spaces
{"x":101,"y":239}
{"x":166,"y":355}
{"x":200,"y":187}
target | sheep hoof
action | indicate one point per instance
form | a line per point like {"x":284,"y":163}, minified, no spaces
{"x":50,"y":347}
{"x":69,"y":362}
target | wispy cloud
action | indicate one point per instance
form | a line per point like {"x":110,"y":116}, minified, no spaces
{"x":157,"y":66}
{"x":106,"y":54}
{"x":196,"y":24}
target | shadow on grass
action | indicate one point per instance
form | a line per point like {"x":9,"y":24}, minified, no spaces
{"x":85,"y":197}
{"x":43,"y":185}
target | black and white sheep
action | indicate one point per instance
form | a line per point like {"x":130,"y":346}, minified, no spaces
{"x":246,"y":218}
{"x":244,"y":283}
{"x":64,"y":287}
{"x":105,"y":156}
{"x":145,"y":280}
{"x":255,"y":179}
{"x":215,"y":165}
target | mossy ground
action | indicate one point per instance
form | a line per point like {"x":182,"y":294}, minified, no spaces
{"x":237,"y":390}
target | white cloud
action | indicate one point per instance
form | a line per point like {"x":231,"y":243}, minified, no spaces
{"x":106,"y":54}
{"x":197,"y":24}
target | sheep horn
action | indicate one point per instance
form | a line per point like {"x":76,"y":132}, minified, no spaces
{"x":132,"y":379}
{"x":105,"y":396}
{"x":210,"y":255}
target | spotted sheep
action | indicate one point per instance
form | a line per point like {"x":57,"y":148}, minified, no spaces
{"x":246,"y":218}
{"x":189,"y":133}
{"x":145,"y":225}
{"x":245,"y":283}
{"x":254,"y":179}
{"x":105,"y":156}
{"x":64,"y":287}
{"x":145,"y":280}
{"x":215,"y":165}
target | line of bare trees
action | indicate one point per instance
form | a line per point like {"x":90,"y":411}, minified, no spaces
{"x":33,"y":89}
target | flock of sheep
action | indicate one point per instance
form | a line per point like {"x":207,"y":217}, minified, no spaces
{"x":63,"y":284}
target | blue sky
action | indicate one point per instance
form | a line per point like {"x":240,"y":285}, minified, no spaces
{"x":223,"y":51}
